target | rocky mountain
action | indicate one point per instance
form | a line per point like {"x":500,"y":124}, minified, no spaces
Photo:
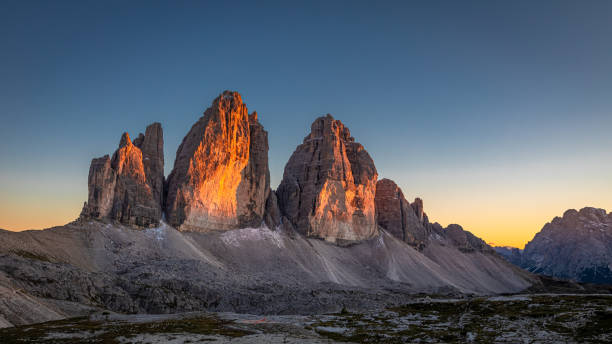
{"x":512,"y":254}
{"x":577,"y":246}
{"x":409,"y":222}
{"x":329,"y":185}
{"x":128,"y":187}
{"x":220,"y":178}
{"x":232,"y":244}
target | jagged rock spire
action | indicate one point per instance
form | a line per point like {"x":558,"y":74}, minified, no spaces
{"x":122,"y":188}
{"x":220,"y":178}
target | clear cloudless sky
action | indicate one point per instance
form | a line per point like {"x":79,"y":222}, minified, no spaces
{"x":497,"y":113}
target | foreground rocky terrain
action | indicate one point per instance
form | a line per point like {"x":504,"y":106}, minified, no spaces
{"x":515,"y":319}
{"x":66,"y":271}
{"x":577,"y":246}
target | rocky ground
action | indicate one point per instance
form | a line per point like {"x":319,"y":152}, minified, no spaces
{"x":539,"y":318}
{"x":62,"y":272}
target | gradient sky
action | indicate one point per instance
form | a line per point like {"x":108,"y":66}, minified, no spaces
{"x":497,"y":113}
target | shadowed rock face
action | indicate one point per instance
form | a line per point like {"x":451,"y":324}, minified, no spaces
{"x":152,"y":146}
{"x":395,"y":214}
{"x":464,"y":240}
{"x":329,"y":185}
{"x":576,"y":246}
{"x":128,"y":188}
{"x":408,"y":222}
{"x":220,"y":178}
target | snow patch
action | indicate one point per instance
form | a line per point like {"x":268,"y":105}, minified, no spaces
{"x":157,"y":233}
{"x":236,"y":236}
{"x":380,"y":242}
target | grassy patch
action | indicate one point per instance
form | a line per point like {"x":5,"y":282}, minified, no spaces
{"x":108,"y":332}
{"x":479,"y":320}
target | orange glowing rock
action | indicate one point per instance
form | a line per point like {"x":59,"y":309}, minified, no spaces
{"x":220,"y":178}
{"x":121,"y":189}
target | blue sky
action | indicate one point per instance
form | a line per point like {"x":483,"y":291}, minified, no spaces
{"x":496,"y":113}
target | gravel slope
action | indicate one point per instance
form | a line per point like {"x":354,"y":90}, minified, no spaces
{"x":251,"y":270}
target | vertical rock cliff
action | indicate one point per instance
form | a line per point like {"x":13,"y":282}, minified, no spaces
{"x":152,"y":146}
{"x":220,"y":178}
{"x":128,"y":187}
{"x":403,"y":220}
{"x":329,"y":185}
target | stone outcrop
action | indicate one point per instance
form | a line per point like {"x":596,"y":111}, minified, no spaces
{"x":128,"y":187}
{"x":395,"y":214}
{"x":220,"y":178}
{"x":464,"y":240}
{"x":329,"y":185}
{"x":417,"y":207}
{"x":152,"y":146}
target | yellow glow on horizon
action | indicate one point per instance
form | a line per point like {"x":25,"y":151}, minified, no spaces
{"x":504,"y":205}
{"x":508,"y":203}
{"x":19,"y":217}
{"x":499,"y":221}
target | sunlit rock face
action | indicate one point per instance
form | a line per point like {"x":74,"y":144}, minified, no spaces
{"x":396,"y":215}
{"x":123,"y":188}
{"x":329,"y":185}
{"x":220,"y":178}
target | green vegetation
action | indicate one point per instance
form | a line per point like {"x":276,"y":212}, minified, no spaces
{"x":538,"y":318}
{"x":584,"y":319}
{"x":109,"y":332}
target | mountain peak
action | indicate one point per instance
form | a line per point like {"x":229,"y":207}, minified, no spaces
{"x":220,"y":178}
{"x":125,"y":140}
{"x":228,"y":100}
{"x":326,"y":127}
{"x":125,"y":188}
{"x":576,"y":246}
{"x":329,"y":185}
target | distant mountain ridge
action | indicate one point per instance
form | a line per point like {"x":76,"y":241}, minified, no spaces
{"x":512,"y":254}
{"x":576,"y":246}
